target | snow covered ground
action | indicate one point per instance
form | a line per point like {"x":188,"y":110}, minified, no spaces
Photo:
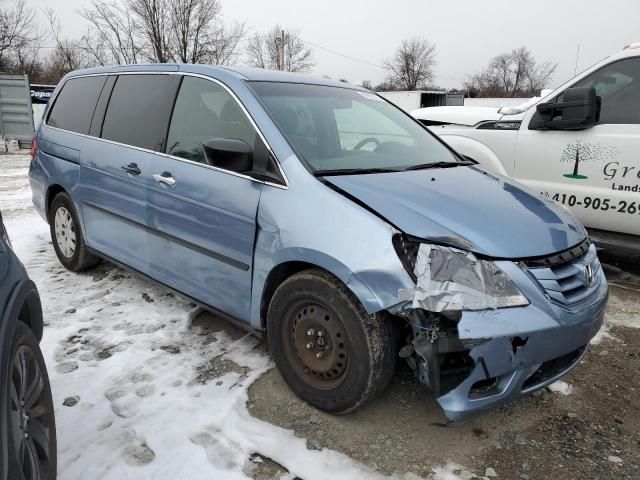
{"x":141,"y":389}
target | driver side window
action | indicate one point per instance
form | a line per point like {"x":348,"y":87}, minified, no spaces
{"x":205,"y":110}
{"x":618,"y":85}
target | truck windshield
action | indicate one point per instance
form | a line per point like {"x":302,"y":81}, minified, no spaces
{"x":340,"y":130}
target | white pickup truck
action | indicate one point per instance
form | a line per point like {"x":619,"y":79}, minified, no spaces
{"x":578,"y":144}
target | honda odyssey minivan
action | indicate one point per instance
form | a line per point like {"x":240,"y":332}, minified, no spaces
{"x":322,"y":217}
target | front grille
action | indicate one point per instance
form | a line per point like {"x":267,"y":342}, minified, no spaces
{"x":560,"y":258}
{"x":566,"y":282}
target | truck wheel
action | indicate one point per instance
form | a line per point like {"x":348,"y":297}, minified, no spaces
{"x":66,"y":235}
{"x":31,"y":438}
{"x":331,"y":353}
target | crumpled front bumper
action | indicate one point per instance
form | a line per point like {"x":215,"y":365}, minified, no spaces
{"x":519,"y":350}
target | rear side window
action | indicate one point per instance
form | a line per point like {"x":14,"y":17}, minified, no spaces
{"x":74,"y":106}
{"x":139,"y":110}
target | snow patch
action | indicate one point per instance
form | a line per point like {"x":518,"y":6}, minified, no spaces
{"x":563,"y":388}
{"x":451,"y":471}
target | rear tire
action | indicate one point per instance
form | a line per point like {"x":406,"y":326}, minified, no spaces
{"x":31,"y":437}
{"x":66,"y":235}
{"x":331,"y":353}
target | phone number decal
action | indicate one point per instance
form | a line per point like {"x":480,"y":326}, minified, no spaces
{"x":595,"y":203}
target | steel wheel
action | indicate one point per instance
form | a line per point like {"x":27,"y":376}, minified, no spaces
{"x":29,"y":415}
{"x":65,"y":232}
{"x":316,"y":345}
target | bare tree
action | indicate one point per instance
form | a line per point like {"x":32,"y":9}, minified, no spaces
{"x":511,"y":74}
{"x":66,"y":56}
{"x":411,"y":66}
{"x":154,"y":21}
{"x":20,"y":35}
{"x":199,"y":35}
{"x":225,"y":40}
{"x":113,"y":36}
{"x":386,"y":86}
{"x":186,"y":31}
{"x":262,"y":51}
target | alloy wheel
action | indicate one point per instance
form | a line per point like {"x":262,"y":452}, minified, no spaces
{"x":29,"y":415}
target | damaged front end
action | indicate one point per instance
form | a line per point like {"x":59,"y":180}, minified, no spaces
{"x":482,"y":332}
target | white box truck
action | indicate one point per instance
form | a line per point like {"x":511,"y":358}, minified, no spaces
{"x":578,"y":144}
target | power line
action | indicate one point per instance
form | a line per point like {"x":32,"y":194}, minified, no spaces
{"x":367,"y":62}
{"x":342,"y":54}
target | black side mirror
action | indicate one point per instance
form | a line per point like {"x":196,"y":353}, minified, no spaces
{"x":579,"y":109}
{"x":229,"y":153}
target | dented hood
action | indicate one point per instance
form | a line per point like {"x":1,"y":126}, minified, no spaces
{"x":467,"y":208}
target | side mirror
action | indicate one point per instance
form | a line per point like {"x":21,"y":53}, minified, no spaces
{"x":579,"y":109}
{"x":229,"y":153}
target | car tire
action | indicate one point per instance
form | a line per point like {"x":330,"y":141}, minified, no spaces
{"x":66,"y":235}
{"x":330,"y":352}
{"x":32,"y":446}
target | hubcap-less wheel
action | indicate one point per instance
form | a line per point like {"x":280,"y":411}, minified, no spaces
{"x":316,"y":345}
{"x":29,"y":413}
{"x":65,"y":232}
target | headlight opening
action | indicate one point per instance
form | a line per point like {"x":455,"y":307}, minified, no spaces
{"x":451,"y":279}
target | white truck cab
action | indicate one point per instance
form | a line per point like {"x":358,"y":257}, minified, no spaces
{"x":578,"y":144}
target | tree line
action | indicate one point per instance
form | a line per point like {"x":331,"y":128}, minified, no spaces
{"x":194,"y":31}
{"x":138,"y":31}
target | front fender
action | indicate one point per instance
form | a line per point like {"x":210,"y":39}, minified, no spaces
{"x":376,"y":289}
{"x":313,"y":223}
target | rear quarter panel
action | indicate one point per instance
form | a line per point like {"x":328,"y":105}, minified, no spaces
{"x":57,"y":162}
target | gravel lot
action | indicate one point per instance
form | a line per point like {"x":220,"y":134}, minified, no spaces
{"x":593,"y":432}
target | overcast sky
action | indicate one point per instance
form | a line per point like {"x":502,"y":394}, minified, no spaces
{"x":468,"y":33}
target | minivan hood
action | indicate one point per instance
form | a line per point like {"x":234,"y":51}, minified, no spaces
{"x":466,"y":207}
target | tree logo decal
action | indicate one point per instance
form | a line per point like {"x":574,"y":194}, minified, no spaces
{"x":585,"y":152}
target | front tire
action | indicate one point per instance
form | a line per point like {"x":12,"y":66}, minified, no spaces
{"x":331,"y":353}
{"x":66,"y":235}
{"x":32,"y":445}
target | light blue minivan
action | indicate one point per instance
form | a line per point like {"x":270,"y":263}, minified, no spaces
{"x":324,"y":218}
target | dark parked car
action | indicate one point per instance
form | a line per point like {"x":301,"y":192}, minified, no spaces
{"x":27,"y":425}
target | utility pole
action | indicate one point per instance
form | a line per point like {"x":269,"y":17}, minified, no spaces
{"x":281,"y":53}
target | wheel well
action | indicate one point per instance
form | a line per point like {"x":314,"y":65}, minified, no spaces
{"x":51,"y":194}
{"x":29,"y":315}
{"x":276,"y":276}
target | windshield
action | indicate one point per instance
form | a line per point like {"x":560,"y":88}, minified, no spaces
{"x":339,"y":130}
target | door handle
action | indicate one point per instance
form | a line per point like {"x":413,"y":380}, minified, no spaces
{"x":132,"y":168}
{"x":165,"y":178}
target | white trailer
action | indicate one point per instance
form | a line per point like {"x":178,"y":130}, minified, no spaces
{"x":412,"y":100}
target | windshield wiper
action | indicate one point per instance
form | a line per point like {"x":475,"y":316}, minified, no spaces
{"x":425,"y":166}
{"x":355,"y":171}
{"x":363,"y":171}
